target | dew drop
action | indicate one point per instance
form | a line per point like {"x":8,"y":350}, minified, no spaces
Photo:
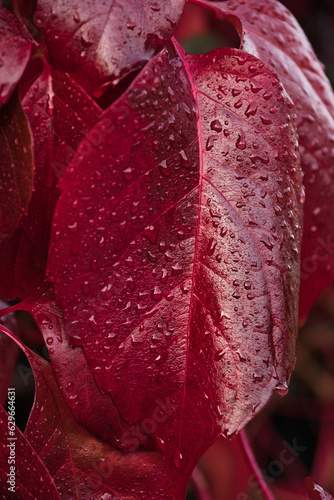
{"x":211,"y":246}
{"x":128,"y":174}
{"x":164,"y":170}
{"x":151,"y":233}
{"x":156,"y":293}
{"x":177,"y":269}
{"x":216,"y":126}
{"x":282,"y":388}
{"x":241,"y":144}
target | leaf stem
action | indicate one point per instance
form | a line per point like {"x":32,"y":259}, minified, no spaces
{"x":199,"y":482}
{"x":253,"y":465}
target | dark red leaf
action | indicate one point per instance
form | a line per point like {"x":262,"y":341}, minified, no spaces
{"x":60,"y":114}
{"x":100,"y":42}
{"x":269,"y":31}
{"x":32,"y":480}
{"x":16,"y":165}
{"x":8,"y":355}
{"x":175,"y":247}
{"x":81,"y":466}
{"x":315,"y":491}
{"x":16,"y":46}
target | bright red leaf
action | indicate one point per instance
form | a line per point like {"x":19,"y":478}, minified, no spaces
{"x":100,"y":42}
{"x":60,"y":114}
{"x":268,"y":30}
{"x":16,"y":46}
{"x":175,"y":247}
{"x":16,"y":165}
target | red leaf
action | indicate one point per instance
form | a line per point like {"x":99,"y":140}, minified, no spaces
{"x":269,"y":31}
{"x":8,"y":355}
{"x":81,"y":466}
{"x":60,"y":114}
{"x":16,"y":165}
{"x":175,"y":246}
{"x":100,"y":42}
{"x":91,"y":409}
{"x":32,"y":479}
{"x":16,"y":46}
{"x":315,"y":491}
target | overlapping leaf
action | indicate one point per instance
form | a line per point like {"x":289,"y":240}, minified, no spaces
{"x":32,"y":479}
{"x":8,"y":355}
{"x":175,"y":248}
{"x":61,"y":452}
{"x":16,"y":46}
{"x":91,"y":409}
{"x":99,"y":42}
{"x":60,"y":114}
{"x":16,"y":165}
{"x":269,"y":31}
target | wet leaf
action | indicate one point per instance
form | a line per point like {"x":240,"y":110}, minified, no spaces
{"x":100,"y":42}
{"x":16,"y":165}
{"x":80,"y":465}
{"x":60,"y":114}
{"x":175,"y":247}
{"x":32,"y":479}
{"x":16,"y":46}
{"x":269,"y":31}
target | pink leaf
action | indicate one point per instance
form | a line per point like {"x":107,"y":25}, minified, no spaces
{"x":60,"y":114}
{"x":81,"y":466}
{"x":16,"y":46}
{"x":99,"y":42}
{"x":268,"y":30}
{"x":315,"y":491}
{"x":16,"y":165}
{"x":175,"y":246}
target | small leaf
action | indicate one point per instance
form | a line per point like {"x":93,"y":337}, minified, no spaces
{"x":177,"y":267}
{"x":16,"y":165}
{"x":16,"y":46}
{"x":100,"y":42}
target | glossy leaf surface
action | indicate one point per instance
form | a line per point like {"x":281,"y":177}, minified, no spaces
{"x":269,"y":31}
{"x":175,"y":247}
{"x":99,"y":42}
{"x":60,"y":114}
{"x":16,"y":46}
